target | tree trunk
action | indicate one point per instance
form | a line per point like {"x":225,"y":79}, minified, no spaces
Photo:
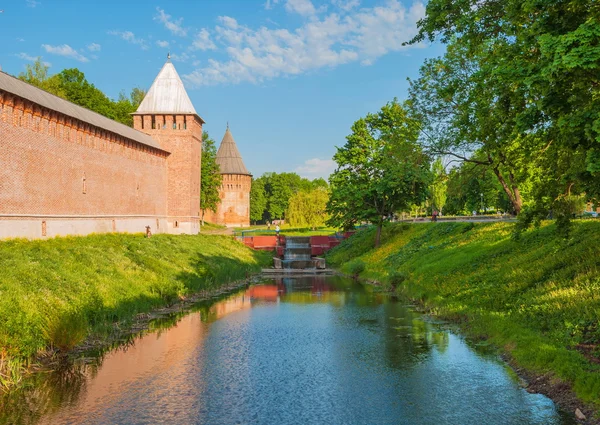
{"x":514,"y":195}
{"x":202,"y":218}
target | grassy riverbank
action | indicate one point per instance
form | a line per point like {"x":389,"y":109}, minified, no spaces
{"x":537,"y":298}
{"x":57,"y":292}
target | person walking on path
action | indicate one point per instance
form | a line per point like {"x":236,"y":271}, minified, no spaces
{"x":277,"y":230}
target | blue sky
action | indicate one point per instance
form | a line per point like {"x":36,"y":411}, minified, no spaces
{"x":290,"y":76}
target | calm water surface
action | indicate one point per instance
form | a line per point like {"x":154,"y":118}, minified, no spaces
{"x":292,"y":351}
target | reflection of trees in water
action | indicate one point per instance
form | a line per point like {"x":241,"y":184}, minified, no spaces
{"x":45,"y":393}
{"x":409,"y":340}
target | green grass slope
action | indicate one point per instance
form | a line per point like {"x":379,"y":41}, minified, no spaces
{"x":537,"y":298}
{"x":56,"y":292}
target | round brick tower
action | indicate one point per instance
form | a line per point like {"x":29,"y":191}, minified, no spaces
{"x":234,"y":209}
{"x":167,"y":114}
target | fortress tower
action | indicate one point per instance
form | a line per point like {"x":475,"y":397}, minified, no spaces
{"x":167,"y":114}
{"x":234,"y":209}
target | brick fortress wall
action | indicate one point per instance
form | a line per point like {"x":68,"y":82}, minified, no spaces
{"x":182,"y":136}
{"x":63,"y":176}
{"x":234,"y":209}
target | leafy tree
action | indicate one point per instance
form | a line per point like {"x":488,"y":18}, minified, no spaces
{"x":71,"y":84}
{"x":278,"y":189}
{"x":37,"y":75}
{"x":210,"y":176}
{"x":319,"y":183}
{"x":526,"y":92}
{"x":258,"y":200}
{"x":308,"y":208}
{"x":439,"y":185}
{"x":380,"y":170}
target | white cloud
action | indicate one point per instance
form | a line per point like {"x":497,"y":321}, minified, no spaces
{"x":29,"y":58}
{"x":203,"y":41}
{"x":32,"y":3}
{"x":20,"y":40}
{"x":175,"y":26}
{"x":255,"y":55}
{"x":131,"y":38}
{"x":183,"y":57}
{"x":161,"y":43}
{"x":346,"y":5}
{"x":269,"y":4}
{"x":94,"y":47}
{"x":316,"y":167}
{"x":301,"y":7}
{"x":229,"y":22}
{"x":65,"y":50}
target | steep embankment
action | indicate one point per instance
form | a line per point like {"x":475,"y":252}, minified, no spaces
{"x":58,"y":291}
{"x":537,"y":298}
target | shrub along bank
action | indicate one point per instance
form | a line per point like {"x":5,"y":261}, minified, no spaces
{"x":54,"y":293}
{"x":538,"y":298}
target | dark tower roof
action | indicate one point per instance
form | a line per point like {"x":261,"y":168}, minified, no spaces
{"x":229,"y":158}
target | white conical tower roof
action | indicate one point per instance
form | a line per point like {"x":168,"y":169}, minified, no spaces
{"x":167,"y":94}
{"x":229,"y":158}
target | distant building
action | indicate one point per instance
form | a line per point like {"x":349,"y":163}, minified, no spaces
{"x":65,"y":170}
{"x":234,"y":209}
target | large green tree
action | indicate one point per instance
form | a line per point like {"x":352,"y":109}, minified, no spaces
{"x":278,"y":188}
{"x":258,"y":200}
{"x":439,"y":185}
{"x":520,"y":81}
{"x":71,"y":84}
{"x":380,"y":170}
{"x":308,"y":208}
{"x":210,"y":176}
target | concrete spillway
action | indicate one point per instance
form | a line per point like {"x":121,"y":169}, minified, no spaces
{"x":297,"y":253}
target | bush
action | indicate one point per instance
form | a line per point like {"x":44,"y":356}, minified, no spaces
{"x":356,"y":267}
{"x":397,"y":277}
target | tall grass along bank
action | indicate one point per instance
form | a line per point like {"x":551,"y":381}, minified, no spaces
{"x":538,"y":298}
{"x":55,"y":293}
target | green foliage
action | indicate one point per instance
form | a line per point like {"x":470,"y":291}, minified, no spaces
{"x":271,"y":203}
{"x":380,"y":170}
{"x":519,"y":84}
{"x":439,"y":186}
{"x":65,"y":330}
{"x":466,"y":185}
{"x":71,"y":84}
{"x":258,"y":200}
{"x":307,"y":209}
{"x":53,"y":292}
{"x":210,"y":176}
{"x":397,"y":278}
{"x":535,"y":298}
{"x":355,"y":267}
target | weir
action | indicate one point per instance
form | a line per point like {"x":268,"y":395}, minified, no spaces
{"x":297,"y":253}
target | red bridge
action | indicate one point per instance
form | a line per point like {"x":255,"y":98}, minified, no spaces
{"x":318,"y":244}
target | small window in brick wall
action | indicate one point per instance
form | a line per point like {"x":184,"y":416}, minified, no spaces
{"x":176,"y":224}
{"x":44,"y":231}
{"x":84,"y":184}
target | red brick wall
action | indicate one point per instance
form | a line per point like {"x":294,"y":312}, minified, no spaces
{"x":234,"y":209}
{"x":182,"y":136}
{"x":51,"y":164}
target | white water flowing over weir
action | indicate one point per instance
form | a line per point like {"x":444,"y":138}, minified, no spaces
{"x":297,"y":253}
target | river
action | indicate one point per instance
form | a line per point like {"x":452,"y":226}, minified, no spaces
{"x":316,"y":350}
